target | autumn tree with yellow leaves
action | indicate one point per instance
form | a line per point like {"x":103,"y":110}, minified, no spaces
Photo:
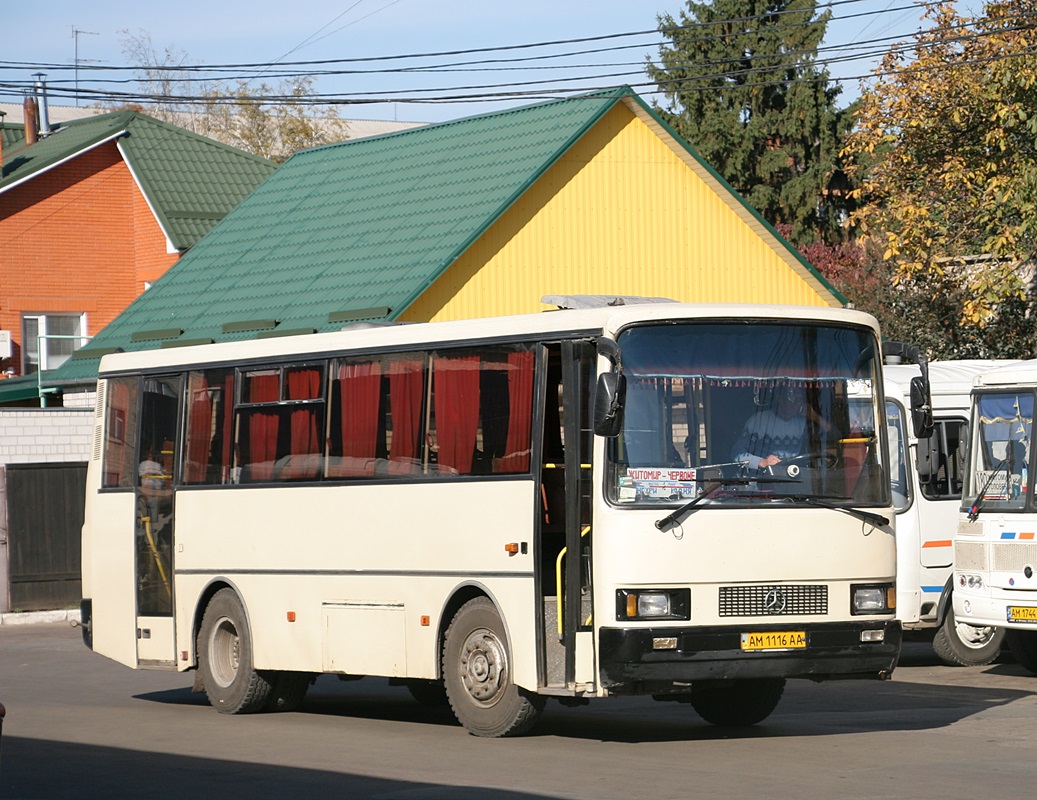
{"x":945,"y":155}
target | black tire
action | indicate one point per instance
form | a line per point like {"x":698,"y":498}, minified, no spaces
{"x":477,"y":675}
{"x":225,"y":658}
{"x":287,"y":690}
{"x":428,"y":693}
{"x":958,"y":644}
{"x":736,"y":704}
{"x":1024,"y":647}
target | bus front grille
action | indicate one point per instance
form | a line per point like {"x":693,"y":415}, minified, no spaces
{"x":772,"y":601}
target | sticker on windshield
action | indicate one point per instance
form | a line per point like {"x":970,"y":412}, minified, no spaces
{"x":665,"y":483}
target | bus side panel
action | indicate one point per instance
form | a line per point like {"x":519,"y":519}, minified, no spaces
{"x":339,"y":578}
{"x":109,"y":571}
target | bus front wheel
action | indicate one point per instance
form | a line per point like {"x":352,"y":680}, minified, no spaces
{"x":736,"y":704}
{"x":1024,"y":647}
{"x":477,"y":675}
{"x":958,"y":644}
{"x":225,"y":658}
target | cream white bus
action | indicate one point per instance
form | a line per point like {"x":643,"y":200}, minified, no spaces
{"x":928,"y":474}
{"x":496,"y":512}
{"x":995,"y":549}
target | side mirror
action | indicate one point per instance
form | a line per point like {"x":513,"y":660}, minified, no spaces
{"x":921,"y":408}
{"x":608,"y":404}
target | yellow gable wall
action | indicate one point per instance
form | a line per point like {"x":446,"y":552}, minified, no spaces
{"x":622,"y":212}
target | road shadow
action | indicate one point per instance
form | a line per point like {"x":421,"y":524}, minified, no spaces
{"x":34,"y":768}
{"x":806,"y":709}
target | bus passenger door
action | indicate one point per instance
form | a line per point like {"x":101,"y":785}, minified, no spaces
{"x":565,"y":523}
{"x":159,"y":424}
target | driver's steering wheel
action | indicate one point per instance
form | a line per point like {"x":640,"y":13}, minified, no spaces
{"x":793,"y":467}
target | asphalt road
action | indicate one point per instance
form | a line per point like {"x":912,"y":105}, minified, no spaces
{"x":80,"y":726}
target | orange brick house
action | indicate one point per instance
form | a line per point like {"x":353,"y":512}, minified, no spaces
{"x":91,"y":213}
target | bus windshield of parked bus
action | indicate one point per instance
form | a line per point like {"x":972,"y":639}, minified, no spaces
{"x":760,"y":413}
{"x":1000,"y":457}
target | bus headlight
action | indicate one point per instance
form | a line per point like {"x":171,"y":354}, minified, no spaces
{"x":878,"y":598}
{"x":970,"y":581}
{"x":634,"y":604}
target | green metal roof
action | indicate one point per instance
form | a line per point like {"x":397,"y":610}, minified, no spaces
{"x":363,"y":227}
{"x":354,"y":230}
{"x":191,"y":182}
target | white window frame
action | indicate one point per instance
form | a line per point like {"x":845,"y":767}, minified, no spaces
{"x":45,"y":360}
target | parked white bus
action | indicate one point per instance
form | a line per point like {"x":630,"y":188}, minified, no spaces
{"x":501,"y":510}
{"x":928,"y":475}
{"x":995,"y":549}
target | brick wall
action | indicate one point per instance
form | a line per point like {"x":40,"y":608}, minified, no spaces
{"x":77,"y":238}
{"x":51,"y":435}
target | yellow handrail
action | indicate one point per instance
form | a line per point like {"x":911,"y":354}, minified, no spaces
{"x":558,"y":579}
{"x":156,"y":555}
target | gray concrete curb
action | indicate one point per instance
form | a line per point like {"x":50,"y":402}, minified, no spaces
{"x":33,"y":617}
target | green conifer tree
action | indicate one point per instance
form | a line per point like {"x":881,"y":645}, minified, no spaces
{"x":744,"y":89}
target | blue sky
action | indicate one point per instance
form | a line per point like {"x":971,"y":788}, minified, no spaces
{"x":259,"y":31}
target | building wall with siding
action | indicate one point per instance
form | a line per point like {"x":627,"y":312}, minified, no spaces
{"x":621,"y":213}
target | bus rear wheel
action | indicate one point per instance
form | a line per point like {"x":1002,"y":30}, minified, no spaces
{"x":736,"y":704}
{"x":958,"y":644}
{"x":477,"y":675}
{"x":1024,"y":647}
{"x":225,"y":658}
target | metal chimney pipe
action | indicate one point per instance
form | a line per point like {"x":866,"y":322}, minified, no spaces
{"x":41,"y":96}
{"x":29,"y":118}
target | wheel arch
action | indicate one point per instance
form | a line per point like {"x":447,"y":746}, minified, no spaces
{"x":461,"y":595}
{"x":204,"y":598}
{"x":946,"y":598}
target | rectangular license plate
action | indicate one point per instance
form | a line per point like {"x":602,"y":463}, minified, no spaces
{"x":774,"y":640}
{"x":1022,"y":613}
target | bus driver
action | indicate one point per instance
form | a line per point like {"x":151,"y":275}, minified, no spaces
{"x":774,"y":433}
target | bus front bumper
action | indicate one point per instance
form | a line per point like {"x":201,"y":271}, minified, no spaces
{"x":631,"y":660}
{"x":1005,"y":609}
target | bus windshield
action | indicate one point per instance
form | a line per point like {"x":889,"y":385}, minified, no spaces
{"x":1000,"y":457}
{"x":748,"y":414}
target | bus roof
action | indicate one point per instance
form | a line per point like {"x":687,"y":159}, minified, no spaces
{"x":1015,"y":373}
{"x":592,"y":321}
{"x":945,"y":377}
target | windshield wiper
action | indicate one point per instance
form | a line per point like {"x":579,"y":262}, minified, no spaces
{"x":977,"y":504}
{"x":867,"y":516}
{"x":671,"y":519}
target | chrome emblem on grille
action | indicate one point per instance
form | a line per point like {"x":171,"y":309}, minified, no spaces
{"x":774,"y":601}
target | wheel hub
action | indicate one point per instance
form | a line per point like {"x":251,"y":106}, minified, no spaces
{"x":484,"y":667}
{"x":224,"y":652}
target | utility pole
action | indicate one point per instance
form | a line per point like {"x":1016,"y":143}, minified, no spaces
{"x":75,"y":35}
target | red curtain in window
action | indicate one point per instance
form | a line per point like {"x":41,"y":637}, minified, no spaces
{"x":360,"y":388}
{"x":228,"y":427}
{"x":263,"y":426}
{"x":456,"y":388}
{"x":304,"y":384}
{"x":405,"y":387}
{"x":520,"y":415}
{"x":199,"y":429}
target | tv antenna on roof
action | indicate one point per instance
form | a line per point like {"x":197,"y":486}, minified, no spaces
{"x":75,"y":35}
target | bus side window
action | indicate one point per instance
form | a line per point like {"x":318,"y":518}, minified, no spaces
{"x":209,"y":429}
{"x":120,"y":444}
{"x":482,"y":411}
{"x":945,"y":448}
{"x":281,"y":423}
